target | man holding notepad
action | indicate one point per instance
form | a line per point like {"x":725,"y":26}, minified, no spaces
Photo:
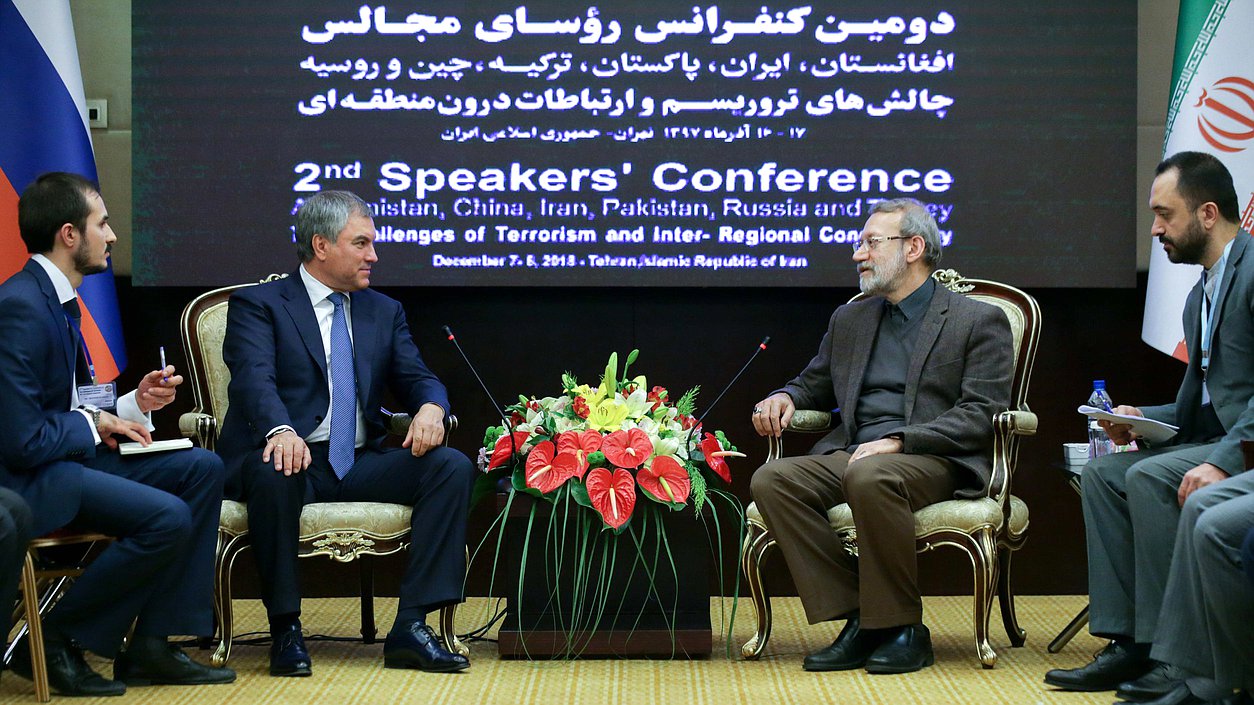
{"x":1144,"y":509}
{"x":58,"y":450}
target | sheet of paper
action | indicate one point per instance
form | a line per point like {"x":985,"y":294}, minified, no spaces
{"x":155,"y":446}
{"x":1149,"y":429}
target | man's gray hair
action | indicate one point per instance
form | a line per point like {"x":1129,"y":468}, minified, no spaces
{"x":915,"y":221}
{"x":325,"y":213}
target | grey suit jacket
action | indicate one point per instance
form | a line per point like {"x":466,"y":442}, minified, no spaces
{"x":959,"y":377}
{"x":1231,"y":375}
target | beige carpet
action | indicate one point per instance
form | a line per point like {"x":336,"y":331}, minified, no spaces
{"x":353,"y":672}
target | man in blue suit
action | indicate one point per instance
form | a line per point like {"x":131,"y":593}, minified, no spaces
{"x":311,"y":356}
{"x":59,"y":451}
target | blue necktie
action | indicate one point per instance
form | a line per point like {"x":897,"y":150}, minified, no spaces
{"x":343,"y":392}
{"x":74,"y":314}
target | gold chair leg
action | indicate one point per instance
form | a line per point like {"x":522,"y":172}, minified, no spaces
{"x":225,"y":564}
{"x":35,"y":632}
{"x":984,"y":563}
{"x":448,"y":630}
{"x":757,"y":546}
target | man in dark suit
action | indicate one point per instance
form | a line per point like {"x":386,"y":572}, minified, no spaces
{"x":1132,"y":501}
{"x":17,"y":528}
{"x":60,"y":453}
{"x":310,"y":358}
{"x":917,"y":373}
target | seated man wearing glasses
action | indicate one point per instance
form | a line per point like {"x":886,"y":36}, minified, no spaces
{"x":917,"y":373}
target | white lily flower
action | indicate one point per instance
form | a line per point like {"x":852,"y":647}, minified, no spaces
{"x":638,"y":404}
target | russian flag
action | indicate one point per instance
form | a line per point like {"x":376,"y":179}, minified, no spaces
{"x":43,"y":127}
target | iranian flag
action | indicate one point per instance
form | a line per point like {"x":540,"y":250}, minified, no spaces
{"x":1211,"y":110}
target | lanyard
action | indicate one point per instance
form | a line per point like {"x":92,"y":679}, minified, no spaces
{"x":82,"y":345}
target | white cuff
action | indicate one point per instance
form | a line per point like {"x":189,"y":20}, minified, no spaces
{"x":128,"y":409}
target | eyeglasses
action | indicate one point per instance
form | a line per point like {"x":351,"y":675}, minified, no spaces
{"x":871,"y":243}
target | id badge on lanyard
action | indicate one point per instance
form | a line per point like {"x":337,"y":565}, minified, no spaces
{"x":103,"y":395}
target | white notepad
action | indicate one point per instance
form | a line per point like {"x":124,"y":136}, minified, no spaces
{"x":132,"y":448}
{"x":1149,"y":429}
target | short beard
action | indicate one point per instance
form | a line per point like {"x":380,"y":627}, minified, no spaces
{"x":886,"y":277}
{"x":1191,"y":246}
{"x":82,"y":260}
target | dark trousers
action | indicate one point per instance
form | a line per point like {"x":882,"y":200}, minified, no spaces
{"x":884,"y":491}
{"x":437,"y":486}
{"x":163,"y":508}
{"x":16,"y":530}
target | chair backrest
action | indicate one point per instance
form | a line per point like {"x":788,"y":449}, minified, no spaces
{"x":203,"y":326}
{"x":1025,"y":326}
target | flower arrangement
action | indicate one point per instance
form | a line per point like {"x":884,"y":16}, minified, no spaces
{"x":606,"y":446}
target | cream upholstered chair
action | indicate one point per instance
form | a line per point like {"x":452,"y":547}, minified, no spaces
{"x":342,"y":531}
{"x":987,"y":529}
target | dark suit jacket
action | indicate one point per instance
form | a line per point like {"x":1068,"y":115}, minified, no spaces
{"x":1231,"y":373}
{"x":278,"y":366}
{"x":43,"y":442}
{"x":959,"y":377}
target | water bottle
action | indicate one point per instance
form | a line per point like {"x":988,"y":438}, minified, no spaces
{"x":1099,"y":443}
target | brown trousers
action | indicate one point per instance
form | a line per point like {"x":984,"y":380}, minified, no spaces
{"x":884,"y":491}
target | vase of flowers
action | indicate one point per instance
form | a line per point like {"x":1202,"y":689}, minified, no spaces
{"x":601,"y":482}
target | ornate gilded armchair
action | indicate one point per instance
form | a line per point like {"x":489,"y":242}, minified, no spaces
{"x":342,"y":531}
{"x":987,"y":529}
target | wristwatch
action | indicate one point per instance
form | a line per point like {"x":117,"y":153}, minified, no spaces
{"x":95,"y":415}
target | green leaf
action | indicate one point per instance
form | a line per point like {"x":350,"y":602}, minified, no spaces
{"x":688,"y":402}
{"x":579,"y":493}
{"x":698,"y":487}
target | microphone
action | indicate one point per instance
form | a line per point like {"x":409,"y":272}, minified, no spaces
{"x":761,"y":346}
{"x":500,"y":410}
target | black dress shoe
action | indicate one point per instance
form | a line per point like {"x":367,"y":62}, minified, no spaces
{"x":849,"y":651}
{"x":288,"y":656}
{"x":1119,"y":662}
{"x":415,"y":645}
{"x":903,"y":650}
{"x":68,"y":672}
{"x":1162,"y":679}
{"x":154,"y":661}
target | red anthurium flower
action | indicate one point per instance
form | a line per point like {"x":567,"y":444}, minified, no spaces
{"x":627,"y":449}
{"x":613,"y":496}
{"x":713,"y":453}
{"x":665,"y":479}
{"x":546,"y":471}
{"x":504,"y":449}
{"x":580,"y":445}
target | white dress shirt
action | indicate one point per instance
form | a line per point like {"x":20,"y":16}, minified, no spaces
{"x":324,"y":311}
